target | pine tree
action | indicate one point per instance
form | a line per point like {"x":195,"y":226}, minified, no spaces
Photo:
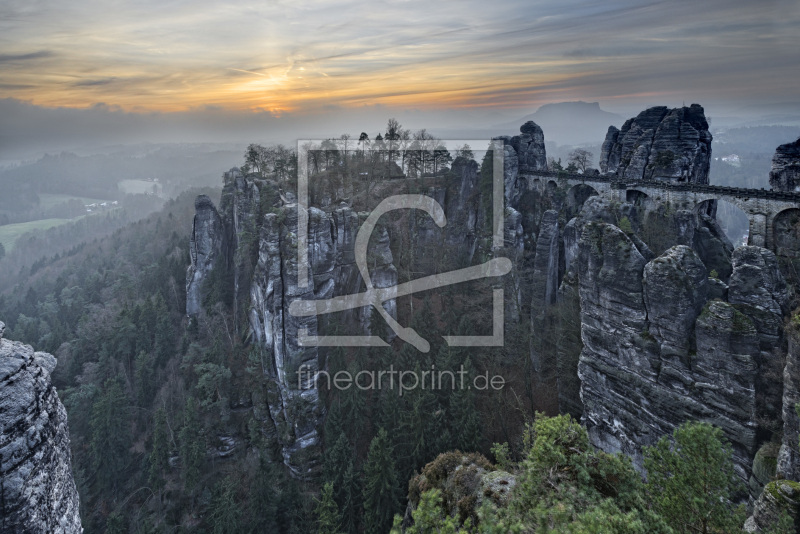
{"x":354,"y":408}
{"x":691,"y":480}
{"x":225,"y":515}
{"x":263,"y":498}
{"x":158,"y":459}
{"x":164,"y":341}
{"x":327,"y":513}
{"x":110,"y":433}
{"x":144,"y":371}
{"x":339,"y":471}
{"x":382,"y":489}
{"x":192,"y":447}
{"x":464,"y":417}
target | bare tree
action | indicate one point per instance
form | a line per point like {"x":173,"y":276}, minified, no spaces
{"x":581,"y":157}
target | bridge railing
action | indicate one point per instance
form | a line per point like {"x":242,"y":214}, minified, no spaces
{"x":616,"y":183}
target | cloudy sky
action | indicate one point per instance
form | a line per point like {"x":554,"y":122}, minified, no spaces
{"x":202,"y":58}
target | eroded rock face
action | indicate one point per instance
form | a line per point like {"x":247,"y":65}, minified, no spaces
{"x":544,"y":289}
{"x":660,"y":143}
{"x":523,"y":153}
{"x":656,"y":352}
{"x":239,"y":208}
{"x":779,"y":497}
{"x":294,"y":405}
{"x":205,"y":250}
{"x":38,"y":491}
{"x":789,"y":453}
{"x":758,"y":290}
{"x":785,"y":173}
{"x":675,"y":292}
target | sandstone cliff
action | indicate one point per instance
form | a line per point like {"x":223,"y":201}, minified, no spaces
{"x":659,"y":350}
{"x":660,"y":143}
{"x":36,"y":484}
{"x":206,"y":251}
{"x":662,"y":322}
{"x":785,"y":173}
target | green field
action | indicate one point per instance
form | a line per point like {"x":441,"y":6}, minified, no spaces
{"x":9,"y":233}
{"x":47,"y":201}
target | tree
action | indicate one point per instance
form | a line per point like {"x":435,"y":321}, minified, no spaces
{"x":158,"y":459}
{"x":263,"y":497}
{"x":691,"y":480}
{"x":554,"y":165}
{"x":565,"y":485}
{"x":327,"y":512}
{"x":338,"y":470}
{"x":663,"y":161}
{"x":581,"y":157}
{"x":625,"y":225}
{"x":382,"y":489}
{"x":110,"y":433}
{"x":465,"y":419}
{"x":465,"y":151}
{"x":226,"y":517}
{"x":429,"y":517}
{"x":192,"y":447}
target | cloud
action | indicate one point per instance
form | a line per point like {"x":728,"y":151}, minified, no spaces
{"x":16,"y":58}
{"x":302,"y":58}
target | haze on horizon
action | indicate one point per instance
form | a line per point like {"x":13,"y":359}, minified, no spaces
{"x":119,"y":72}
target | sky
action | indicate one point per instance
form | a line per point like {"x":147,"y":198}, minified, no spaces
{"x":207,"y":65}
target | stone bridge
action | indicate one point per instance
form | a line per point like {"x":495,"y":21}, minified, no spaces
{"x":764,"y":208}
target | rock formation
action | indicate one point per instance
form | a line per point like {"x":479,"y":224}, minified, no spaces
{"x":778,"y":498}
{"x":36,"y":484}
{"x":788,"y":464}
{"x":253,"y":256}
{"x":661,"y":338}
{"x":657,"y":352}
{"x":785,"y":173}
{"x":523,"y":154}
{"x":205,"y":252}
{"x":660,"y":143}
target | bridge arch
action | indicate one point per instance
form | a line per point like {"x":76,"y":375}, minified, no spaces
{"x":637,"y":198}
{"x":786,"y":233}
{"x":733,"y":221}
{"x":577,"y":195}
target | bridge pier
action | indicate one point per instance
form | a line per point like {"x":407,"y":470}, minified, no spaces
{"x":758,"y":230}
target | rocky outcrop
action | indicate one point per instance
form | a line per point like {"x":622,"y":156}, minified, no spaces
{"x":788,"y":465}
{"x":240,"y":207}
{"x":36,"y":484}
{"x":294,"y":405}
{"x":546,"y":263}
{"x":656,"y":352}
{"x":779,"y":498}
{"x":205,"y":252}
{"x":660,"y":143}
{"x":523,"y":154}
{"x":785,"y":173}
{"x":467,"y":482}
{"x":758,"y":290}
{"x":544,"y":289}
